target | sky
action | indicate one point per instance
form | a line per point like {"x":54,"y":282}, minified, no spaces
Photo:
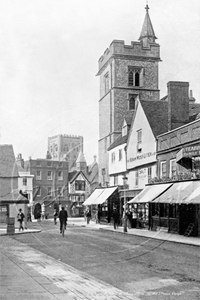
{"x":49,"y":52}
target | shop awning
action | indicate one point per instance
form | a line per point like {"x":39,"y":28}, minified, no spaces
{"x":93,"y":196}
{"x":150,"y":192}
{"x":194,"y":198}
{"x":178,"y":193}
{"x":105,"y":195}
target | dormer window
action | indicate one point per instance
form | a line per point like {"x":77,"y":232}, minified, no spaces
{"x":135,"y":76}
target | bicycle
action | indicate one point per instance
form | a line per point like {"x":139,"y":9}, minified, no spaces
{"x":63,"y":228}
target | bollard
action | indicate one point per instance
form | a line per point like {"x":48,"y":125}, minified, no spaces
{"x":11,"y":226}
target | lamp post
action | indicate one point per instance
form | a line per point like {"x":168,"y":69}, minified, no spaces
{"x":124,"y":214}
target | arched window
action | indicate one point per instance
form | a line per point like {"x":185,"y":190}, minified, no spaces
{"x":131,"y":102}
{"x":137,"y":78}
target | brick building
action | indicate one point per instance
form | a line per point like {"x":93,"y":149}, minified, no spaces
{"x":50,"y":183}
{"x":125,"y":71}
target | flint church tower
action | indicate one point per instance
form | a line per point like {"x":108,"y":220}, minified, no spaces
{"x":125,"y":71}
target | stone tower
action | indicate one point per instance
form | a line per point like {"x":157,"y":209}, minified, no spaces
{"x":125,"y":71}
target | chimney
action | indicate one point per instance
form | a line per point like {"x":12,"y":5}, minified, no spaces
{"x":178,"y":104}
{"x":20,"y":160}
{"x":192,"y":99}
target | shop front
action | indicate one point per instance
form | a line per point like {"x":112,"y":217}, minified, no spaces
{"x":177,"y":209}
{"x":102,"y":201}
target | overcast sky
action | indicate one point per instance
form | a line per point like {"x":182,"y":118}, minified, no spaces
{"x":49,"y":52}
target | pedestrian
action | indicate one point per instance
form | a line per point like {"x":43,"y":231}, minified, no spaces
{"x":55,"y":214}
{"x":115,"y":218}
{"x":20,"y":218}
{"x":63,"y":216}
{"x":38,"y":215}
{"x":129,"y":218}
{"x":29,"y":219}
{"x":99,"y":215}
{"x":88,"y":215}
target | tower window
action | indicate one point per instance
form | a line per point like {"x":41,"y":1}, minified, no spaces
{"x":135,"y":76}
{"x":132,"y":102}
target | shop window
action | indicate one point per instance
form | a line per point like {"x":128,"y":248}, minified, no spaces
{"x":163,"y":210}
{"x":173,"y":210}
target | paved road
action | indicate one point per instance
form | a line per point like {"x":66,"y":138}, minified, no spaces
{"x":145,"y":268}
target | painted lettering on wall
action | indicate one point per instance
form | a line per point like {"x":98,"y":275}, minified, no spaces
{"x":142,"y":156}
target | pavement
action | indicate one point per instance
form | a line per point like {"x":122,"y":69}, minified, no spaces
{"x":29,"y":274}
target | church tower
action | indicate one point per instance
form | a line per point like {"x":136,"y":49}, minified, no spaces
{"x":125,"y":72}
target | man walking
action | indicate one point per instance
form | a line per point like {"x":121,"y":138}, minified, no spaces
{"x":115,"y":218}
{"x":63,"y":218}
{"x":20,"y":218}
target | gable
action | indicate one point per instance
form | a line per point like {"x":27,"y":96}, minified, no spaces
{"x":147,"y":154}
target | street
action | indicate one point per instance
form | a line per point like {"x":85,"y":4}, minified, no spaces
{"x":146,"y":268}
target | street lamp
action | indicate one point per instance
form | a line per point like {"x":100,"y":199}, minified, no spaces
{"x":124,"y":214}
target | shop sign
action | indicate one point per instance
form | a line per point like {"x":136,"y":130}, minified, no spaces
{"x":142,"y":173}
{"x":142,"y":156}
{"x":191,"y":151}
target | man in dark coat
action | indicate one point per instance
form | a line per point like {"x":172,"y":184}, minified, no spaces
{"x":63,"y":218}
{"x":115,"y":218}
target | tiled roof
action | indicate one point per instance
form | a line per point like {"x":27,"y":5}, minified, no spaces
{"x":8,"y":166}
{"x":157,"y":115}
{"x":119,"y":141}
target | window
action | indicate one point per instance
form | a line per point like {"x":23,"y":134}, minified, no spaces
{"x":172,"y":172}
{"x":60,"y":164}
{"x":106,"y":83}
{"x":163,"y":169}
{"x":80,"y":185}
{"x":135,"y":76}
{"x":136,"y":178}
{"x":38,"y":174}
{"x":60,"y":191}
{"x":115,"y":179}
{"x":60,"y":175}
{"x":149,"y":173}
{"x":49,"y":175}
{"x":139,"y":140}
{"x":24,"y":181}
{"x":112,"y":157}
{"x":49,"y":190}
{"x":48,"y":163}
{"x":39,"y":192}
{"x":132,"y":99}
{"x":120,"y":154}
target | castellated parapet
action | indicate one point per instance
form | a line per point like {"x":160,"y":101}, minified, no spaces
{"x":136,"y":49}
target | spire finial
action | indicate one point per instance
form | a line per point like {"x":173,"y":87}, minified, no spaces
{"x":147,"y":7}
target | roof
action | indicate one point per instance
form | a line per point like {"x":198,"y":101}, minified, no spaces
{"x":119,"y":141}
{"x":13,"y":197}
{"x":157,"y":115}
{"x":75,"y":174}
{"x":80,"y":158}
{"x":147,"y":28}
{"x":8,"y":166}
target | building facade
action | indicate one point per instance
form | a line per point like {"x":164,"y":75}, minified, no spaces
{"x":125,"y":71}
{"x":50,"y":184}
